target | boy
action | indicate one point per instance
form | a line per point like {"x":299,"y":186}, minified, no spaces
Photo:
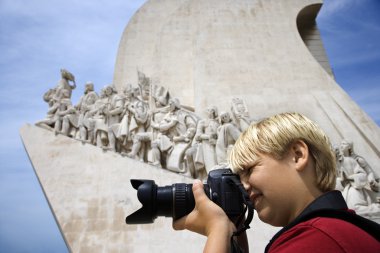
{"x":287,"y":166}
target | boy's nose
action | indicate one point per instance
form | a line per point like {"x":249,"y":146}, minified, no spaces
{"x":246,"y":186}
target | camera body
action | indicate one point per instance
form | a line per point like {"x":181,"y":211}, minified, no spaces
{"x":223,"y":187}
{"x":222,"y":184}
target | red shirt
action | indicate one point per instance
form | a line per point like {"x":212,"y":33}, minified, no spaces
{"x":313,"y":231}
{"x":325,"y":235}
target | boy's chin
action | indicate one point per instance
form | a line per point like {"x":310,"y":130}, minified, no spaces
{"x":269,"y":219}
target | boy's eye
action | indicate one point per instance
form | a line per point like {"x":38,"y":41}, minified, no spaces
{"x":246,"y":173}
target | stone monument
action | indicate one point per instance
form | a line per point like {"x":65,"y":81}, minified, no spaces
{"x":190,"y":76}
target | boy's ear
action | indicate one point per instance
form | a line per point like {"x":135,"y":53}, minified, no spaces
{"x":300,"y":153}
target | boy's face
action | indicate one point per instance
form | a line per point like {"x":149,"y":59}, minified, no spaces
{"x":269,"y":183}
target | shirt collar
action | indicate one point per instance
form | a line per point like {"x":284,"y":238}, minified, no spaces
{"x":329,"y":200}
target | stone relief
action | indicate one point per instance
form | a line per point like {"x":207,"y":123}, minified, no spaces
{"x":357,"y":181}
{"x":144,"y":122}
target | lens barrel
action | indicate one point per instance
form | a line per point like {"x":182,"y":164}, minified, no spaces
{"x":183,"y":200}
{"x":174,"y":201}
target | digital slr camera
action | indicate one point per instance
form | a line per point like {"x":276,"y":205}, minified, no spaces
{"x":177,"y":200}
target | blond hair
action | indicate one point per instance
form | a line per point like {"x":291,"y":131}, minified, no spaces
{"x":274,"y":135}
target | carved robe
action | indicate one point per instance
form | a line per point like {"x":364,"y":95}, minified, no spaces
{"x":228,"y":133}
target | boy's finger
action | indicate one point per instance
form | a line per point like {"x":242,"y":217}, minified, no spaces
{"x":179,"y":224}
{"x":198,"y":190}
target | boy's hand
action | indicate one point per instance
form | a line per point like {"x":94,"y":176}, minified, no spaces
{"x":206,"y":218}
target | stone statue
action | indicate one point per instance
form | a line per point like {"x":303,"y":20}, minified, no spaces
{"x":195,"y":168}
{"x":69,"y":120}
{"x":167,"y":129}
{"x":207,"y":135}
{"x":113,"y":112}
{"x":358,"y":181}
{"x":139,"y":124}
{"x":97,"y":119}
{"x":54,"y":98}
{"x":123,"y":130}
{"x":176,"y":161}
{"x":66,"y":118}
{"x":227,"y":136}
{"x":240,"y":114}
{"x":186,"y":126}
{"x":145,"y":87}
{"x":84,"y":107}
{"x":50,"y":118}
{"x":64,"y":88}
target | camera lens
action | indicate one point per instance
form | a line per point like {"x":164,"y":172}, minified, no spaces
{"x":183,"y":200}
{"x":177,"y":200}
{"x":173,"y":201}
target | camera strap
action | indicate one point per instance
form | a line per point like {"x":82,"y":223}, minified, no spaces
{"x":248,"y":207}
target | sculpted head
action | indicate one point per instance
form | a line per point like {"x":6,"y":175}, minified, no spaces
{"x":346,"y":148}
{"x":174,"y":104}
{"x":225,"y":117}
{"x":212,"y":112}
{"x":89,"y":86}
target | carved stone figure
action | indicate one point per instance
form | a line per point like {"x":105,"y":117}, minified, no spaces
{"x":358,"y":181}
{"x":163,"y":129}
{"x":84,"y":107}
{"x":195,"y":169}
{"x":123,"y":130}
{"x":70,"y":120}
{"x":54,"y":99}
{"x":66,"y":118}
{"x":176,"y":161}
{"x":240,"y":114}
{"x":206,"y":136}
{"x":113,"y":112}
{"x":145,"y":87}
{"x":50,"y":118}
{"x":97,"y":119}
{"x":64,"y":88}
{"x":138,"y":128}
{"x":186,"y":126}
{"x":228,"y":133}
{"x":167,"y":129}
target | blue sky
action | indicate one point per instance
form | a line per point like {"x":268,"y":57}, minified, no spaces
{"x":38,"y":37}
